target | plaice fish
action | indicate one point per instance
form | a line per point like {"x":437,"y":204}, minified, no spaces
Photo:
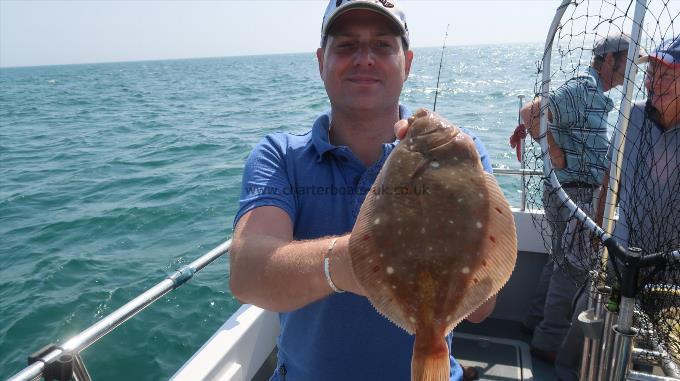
{"x":435,"y":238}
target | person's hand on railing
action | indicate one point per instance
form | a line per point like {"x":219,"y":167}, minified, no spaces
{"x":516,"y":140}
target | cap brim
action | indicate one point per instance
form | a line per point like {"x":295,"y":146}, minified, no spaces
{"x":648,"y":58}
{"x":362,"y":5}
{"x":642,"y":59}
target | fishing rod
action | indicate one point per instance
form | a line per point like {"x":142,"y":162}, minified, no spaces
{"x":441,"y":60}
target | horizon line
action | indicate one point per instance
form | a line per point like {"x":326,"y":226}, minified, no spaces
{"x":232,"y":56}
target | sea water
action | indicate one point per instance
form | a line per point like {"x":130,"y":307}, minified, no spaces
{"x":113,"y":175}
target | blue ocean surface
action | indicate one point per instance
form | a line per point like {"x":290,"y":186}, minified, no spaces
{"x":113,"y":175}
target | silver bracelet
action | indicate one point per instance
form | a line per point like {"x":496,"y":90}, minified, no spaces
{"x":326,"y":267}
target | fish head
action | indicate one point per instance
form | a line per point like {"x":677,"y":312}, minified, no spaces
{"x":432,"y":136}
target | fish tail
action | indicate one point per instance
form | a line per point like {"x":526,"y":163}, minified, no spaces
{"x":430,"y":360}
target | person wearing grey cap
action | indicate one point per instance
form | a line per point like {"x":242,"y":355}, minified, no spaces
{"x":649,"y":202}
{"x":578,"y":144}
{"x":290,"y":247}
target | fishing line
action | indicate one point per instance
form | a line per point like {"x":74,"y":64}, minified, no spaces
{"x":441,"y":60}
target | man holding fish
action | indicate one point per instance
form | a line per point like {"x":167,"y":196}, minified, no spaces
{"x":291,"y":250}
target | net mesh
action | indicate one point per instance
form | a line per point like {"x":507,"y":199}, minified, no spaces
{"x":583,"y":125}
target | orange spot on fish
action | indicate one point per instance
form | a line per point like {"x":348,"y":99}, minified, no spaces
{"x":484,"y":262}
{"x":365,"y":237}
{"x":376,"y":269}
{"x":493,"y":239}
{"x":475,"y":280}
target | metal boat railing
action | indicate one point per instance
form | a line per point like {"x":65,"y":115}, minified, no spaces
{"x":64,"y":360}
{"x":522,"y":172}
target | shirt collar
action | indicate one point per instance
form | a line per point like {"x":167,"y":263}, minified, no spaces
{"x":652,"y":115}
{"x":321,"y":126}
{"x":320,"y":139}
{"x":593,"y":73}
{"x":666,"y":130}
{"x":609,"y":103}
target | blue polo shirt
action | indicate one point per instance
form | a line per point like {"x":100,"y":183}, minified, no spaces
{"x":322,"y":187}
{"x":649,"y":195}
{"x":579,"y":125}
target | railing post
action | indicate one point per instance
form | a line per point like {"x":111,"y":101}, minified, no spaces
{"x":522,"y":165}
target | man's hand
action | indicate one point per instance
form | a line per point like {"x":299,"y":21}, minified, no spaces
{"x":531,"y":112}
{"x":401,"y":128}
{"x":516,"y":140}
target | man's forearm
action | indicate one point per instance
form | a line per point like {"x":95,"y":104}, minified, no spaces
{"x":531,"y":115}
{"x":282,"y":276}
{"x":556,"y":154}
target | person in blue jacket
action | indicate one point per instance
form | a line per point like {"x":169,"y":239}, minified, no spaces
{"x":300,"y":198}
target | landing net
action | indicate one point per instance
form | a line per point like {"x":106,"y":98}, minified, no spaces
{"x":642,"y":198}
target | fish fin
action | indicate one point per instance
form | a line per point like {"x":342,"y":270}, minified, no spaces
{"x":366,"y":264}
{"x":500,"y":254}
{"x":502,"y":236}
{"x":430,"y":361}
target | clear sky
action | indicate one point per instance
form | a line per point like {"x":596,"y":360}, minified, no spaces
{"x":73,"y":31}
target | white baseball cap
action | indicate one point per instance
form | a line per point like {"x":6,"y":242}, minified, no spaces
{"x":387,"y":8}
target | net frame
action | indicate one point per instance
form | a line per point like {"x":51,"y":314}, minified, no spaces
{"x":603,"y":232}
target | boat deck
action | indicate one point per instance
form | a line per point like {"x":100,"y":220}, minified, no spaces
{"x":500,"y":351}
{"x":496,"y":348}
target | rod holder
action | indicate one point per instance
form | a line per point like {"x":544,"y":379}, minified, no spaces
{"x":590,"y":322}
{"x":607,"y":342}
{"x":622,"y":349}
{"x":586,"y":359}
